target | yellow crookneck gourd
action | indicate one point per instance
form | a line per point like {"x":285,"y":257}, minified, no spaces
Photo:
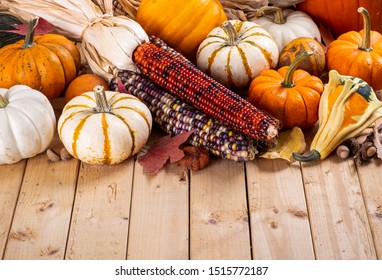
{"x":348,"y":105}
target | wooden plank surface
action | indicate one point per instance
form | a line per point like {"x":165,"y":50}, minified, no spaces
{"x":159,"y":215}
{"x":371,"y":177}
{"x":279,"y":218}
{"x":339,"y":222}
{"x":219,"y":226}
{"x":101,"y":212}
{"x":11,"y":179}
{"x":42,"y":217}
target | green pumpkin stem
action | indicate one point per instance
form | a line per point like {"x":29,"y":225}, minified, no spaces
{"x":277,"y":12}
{"x":288,"y":80}
{"x":29,"y":37}
{"x":231,"y":32}
{"x":366,"y":45}
{"x":101,"y":99}
{"x":3,"y":102}
{"x":314,"y":155}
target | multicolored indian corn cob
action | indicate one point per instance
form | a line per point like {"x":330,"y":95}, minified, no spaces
{"x":179,"y":77}
{"x":175,"y":116}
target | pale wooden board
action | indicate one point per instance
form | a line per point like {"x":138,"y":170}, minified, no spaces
{"x":101,"y":212}
{"x":42,"y":217}
{"x":11,"y":179}
{"x":371,"y":181}
{"x":339,"y":222}
{"x":280,"y":226}
{"x":159,"y":214}
{"x":219,"y":226}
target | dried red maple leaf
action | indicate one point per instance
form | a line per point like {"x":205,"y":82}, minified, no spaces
{"x":43,"y":27}
{"x":164,"y":149}
{"x":121,"y":86}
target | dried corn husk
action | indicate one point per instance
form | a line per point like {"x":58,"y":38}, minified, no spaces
{"x":107,"y":41}
{"x":246,"y":9}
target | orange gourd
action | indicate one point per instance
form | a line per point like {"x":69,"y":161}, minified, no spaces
{"x":290,"y":95}
{"x":84,"y":83}
{"x":314,"y":64}
{"x":341,"y":15}
{"x":358,"y":54}
{"x":46,"y":63}
{"x":181,"y":24}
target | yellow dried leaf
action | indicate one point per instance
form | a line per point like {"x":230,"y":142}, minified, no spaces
{"x":289,"y":141}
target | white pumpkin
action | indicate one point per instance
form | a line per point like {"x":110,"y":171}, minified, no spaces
{"x":104,"y":127}
{"x":236,"y":52}
{"x":27,"y":123}
{"x":286,"y":25}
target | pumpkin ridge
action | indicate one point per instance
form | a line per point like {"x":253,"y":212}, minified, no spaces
{"x":255,"y":34}
{"x":228,"y":67}
{"x":35,"y":129}
{"x":25,"y":70}
{"x":141,"y":113}
{"x":106,"y":145}
{"x":245,"y":62}
{"x":11,"y":129}
{"x":132,"y":133}
{"x":76,"y":133}
{"x":69,"y":117}
{"x":267,"y":55}
{"x":70,"y":106}
{"x":66,"y":60}
{"x":6,"y":67}
{"x":211,"y":59}
{"x":48,"y":64}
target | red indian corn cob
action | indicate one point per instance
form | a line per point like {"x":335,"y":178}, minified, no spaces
{"x":175,"y":116}
{"x":178,"y":76}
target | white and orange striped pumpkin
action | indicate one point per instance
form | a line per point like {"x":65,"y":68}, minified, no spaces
{"x":104,"y":127}
{"x":236,"y":52}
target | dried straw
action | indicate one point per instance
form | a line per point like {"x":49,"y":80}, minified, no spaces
{"x":107,"y":41}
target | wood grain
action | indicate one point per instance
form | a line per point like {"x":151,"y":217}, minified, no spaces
{"x":339,"y":222}
{"x":279,"y":218}
{"x":159,"y":215}
{"x":12,"y":176}
{"x":371,"y":177}
{"x":101,"y":212}
{"x":42,"y":217}
{"x":219,"y":215}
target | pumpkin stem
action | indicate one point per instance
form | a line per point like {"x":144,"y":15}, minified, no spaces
{"x":365,"y":46}
{"x":3,"y":102}
{"x":28,"y":41}
{"x":314,"y":155}
{"x":288,"y":80}
{"x":277,"y":13}
{"x":101,"y":99}
{"x":231,"y":32}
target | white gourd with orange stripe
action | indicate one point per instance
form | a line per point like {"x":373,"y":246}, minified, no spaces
{"x":104,"y":127}
{"x":236,"y":52}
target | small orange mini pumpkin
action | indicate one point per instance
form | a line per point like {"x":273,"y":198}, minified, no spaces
{"x":46,"y":63}
{"x":358,"y":54}
{"x":290,"y":95}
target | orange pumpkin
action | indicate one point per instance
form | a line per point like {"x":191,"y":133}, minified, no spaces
{"x":290,"y":95}
{"x":46,"y":63}
{"x":358,"y":54}
{"x":84,"y":83}
{"x":341,"y":15}
{"x":181,"y":24}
